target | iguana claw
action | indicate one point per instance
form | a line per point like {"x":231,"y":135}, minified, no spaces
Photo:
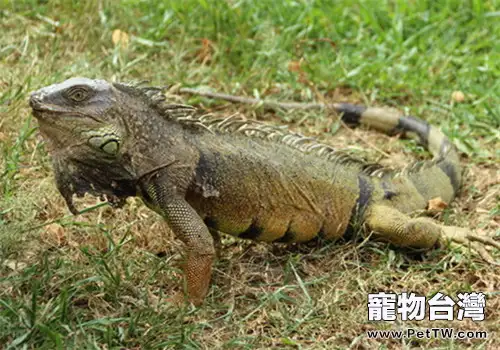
{"x":477,"y":242}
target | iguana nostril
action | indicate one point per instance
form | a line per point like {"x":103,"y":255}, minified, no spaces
{"x":35,"y":99}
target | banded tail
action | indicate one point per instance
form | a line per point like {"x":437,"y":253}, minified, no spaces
{"x":445,"y":155}
{"x":445,"y":166}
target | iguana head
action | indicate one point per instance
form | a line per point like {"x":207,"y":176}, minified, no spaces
{"x":100,"y":132}
{"x":76,"y":112}
{"x":83,"y":122}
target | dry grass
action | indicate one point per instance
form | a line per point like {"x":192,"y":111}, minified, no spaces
{"x":102,"y":280}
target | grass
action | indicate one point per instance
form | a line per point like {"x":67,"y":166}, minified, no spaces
{"x":102,"y":280}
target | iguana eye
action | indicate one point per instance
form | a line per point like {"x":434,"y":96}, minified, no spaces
{"x":77,"y":93}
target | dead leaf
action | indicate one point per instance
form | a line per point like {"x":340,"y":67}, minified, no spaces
{"x":457,"y":96}
{"x":205,"y":52}
{"x":327,"y":40}
{"x":14,"y":265}
{"x":294,"y":66}
{"x":312,"y":42}
{"x":436,"y":204}
{"x":120,"y":38}
{"x":54,"y":234}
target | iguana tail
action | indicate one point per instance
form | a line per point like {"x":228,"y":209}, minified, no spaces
{"x":428,"y":177}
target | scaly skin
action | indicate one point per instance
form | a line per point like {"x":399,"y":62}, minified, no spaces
{"x":207,"y":176}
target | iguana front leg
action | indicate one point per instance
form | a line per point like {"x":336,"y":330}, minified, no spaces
{"x":400,"y":229}
{"x":188,"y":226}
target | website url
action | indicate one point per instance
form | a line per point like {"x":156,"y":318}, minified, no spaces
{"x":444,"y":333}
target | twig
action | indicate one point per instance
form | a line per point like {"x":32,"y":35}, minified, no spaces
{"x":265,"y":103}
{"x":353,"y":133}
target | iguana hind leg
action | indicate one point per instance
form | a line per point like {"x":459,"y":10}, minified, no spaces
{"x":402,"y":230}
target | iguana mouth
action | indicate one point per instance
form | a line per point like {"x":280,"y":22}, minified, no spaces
{"x":44,"y":114}
{"x":49,"y":113}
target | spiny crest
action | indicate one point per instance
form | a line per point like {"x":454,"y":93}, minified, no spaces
{"x":418,"y":166}
{"x":237,"y":124}
{"x":156,"y":98}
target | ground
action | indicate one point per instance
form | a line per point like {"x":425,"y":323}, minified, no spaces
{"x":103,"y":279}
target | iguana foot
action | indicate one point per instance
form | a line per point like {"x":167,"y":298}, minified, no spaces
{"x":197,"y":271}
{"x":477,"y":242}
{"x":391,"y":225}
{"x":401,"y":230}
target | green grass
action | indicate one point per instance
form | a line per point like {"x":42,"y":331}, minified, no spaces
{"x":102,"y":280}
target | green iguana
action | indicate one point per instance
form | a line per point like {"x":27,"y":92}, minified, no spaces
{"x":207,"y":175}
